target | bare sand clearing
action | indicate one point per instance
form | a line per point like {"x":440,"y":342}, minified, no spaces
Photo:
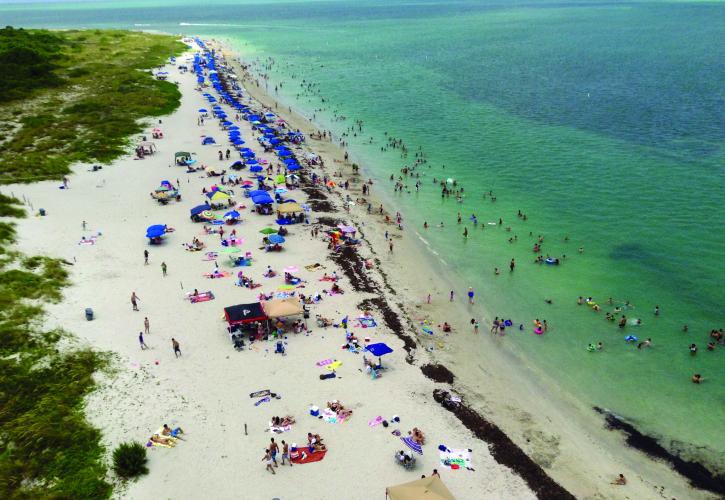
{"x":206,"y":391}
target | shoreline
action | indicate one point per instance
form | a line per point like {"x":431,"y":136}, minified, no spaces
{"x":585,"y":419}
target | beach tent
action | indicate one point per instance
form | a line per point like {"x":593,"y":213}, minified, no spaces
{"x":207,"y":140}
{"x":427,"y":488}
{"x":289,"y":208}
{"x":281,"y":308}
{"x":244,"y":313}
{"x":262,"y":199}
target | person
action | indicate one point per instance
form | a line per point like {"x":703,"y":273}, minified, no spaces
{"x":435,"y":473}
{"x":161,"y":440}
{"x":657,"y":310}
{"x":176,"y":346}
{"x":512,"y":264}
{"x":268,"y":458}
{"x":175,"y":433}
{"x":470,"y":295}
{"x":451,"y":295}
{"x":285,"y":453}
{"x":163,"y":268}
{"x":134,"y":301}
{"x":146,"y":325}
{"x":620,"y":481}
{"x":696,"y":378}
{"x":475,"y":327}
{"x":84,"y":225}
{"x":145,"y":257}
{"x":646,"y":343}
{"x":273,"y":451}
{"x":417,"y":435}
{"x":693,"y":349}
{"x":141,"y":341}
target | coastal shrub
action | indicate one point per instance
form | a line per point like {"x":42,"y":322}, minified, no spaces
{"x":129,"y":460}
{"x":89,"y":108}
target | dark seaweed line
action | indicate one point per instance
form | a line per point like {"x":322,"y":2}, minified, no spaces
{"x":505,"y":451}
{"x":696,"y":473}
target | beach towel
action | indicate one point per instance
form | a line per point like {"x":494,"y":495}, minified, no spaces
{"x":329,"y":416}
{"x":259,"y":394}
{"x":87,"y":241}
{"x":376,"y":421}
{"x":312,"y":267}
{"x":278,"y":429}
{"x":367,"y":322}
{"x":334,"y":365}
{"x":325,"y":376}
{"x":221,"y":274}
{"x":303,"y":456}
{"x":210,"y":256}
{"x":328,"y":278}
{"x":455,"y":459}
{"x":325,"y":362}
{"x":266,"y":399}
{"x":202,"y":297}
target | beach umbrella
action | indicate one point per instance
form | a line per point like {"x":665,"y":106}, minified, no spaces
{"x":208,"y":214}
{"x":291,"y":269}
{"x":380,"y":349}
{"x":247,"y":184}
{"x":218,"y":196}
{"x":268,"y":230}
{"x":199,"y":209}
{"x":202,"y":110}
{"x":232,"y":215}
{"x":293,"y":167}
{"x":426,"y":488}
{"x":230,"y":250}
{"x":155,"y":231}
{"x":255,"y":168}
{"x":412,"y":444}
{"x":276,"y":239}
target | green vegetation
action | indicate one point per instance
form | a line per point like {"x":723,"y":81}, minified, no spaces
{"x":129,"y":460}
{"x":76,"y":96}
{"x":61,"y":101}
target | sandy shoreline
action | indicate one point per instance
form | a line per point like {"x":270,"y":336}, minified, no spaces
{"x":206,"y":392}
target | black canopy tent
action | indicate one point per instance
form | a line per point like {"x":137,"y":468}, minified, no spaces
{"x":244,"y":313}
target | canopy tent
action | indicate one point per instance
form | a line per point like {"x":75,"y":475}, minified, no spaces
{"x":281,"y":308}
{"x":289,"y":208}
{"x":182,"y":154}
{"x":262,"y":199}
{"x":427,"y":488}
{"x":244,"y":313}
{"x":207,"y":140}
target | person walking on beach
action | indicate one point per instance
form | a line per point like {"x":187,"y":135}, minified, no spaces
{"x":163,"y":268}
{"x":475,"y":326}
{"x":285,"y":453}
{"x":176,"y":346}
{"x":512,"y":265}
{"x":452,"y":295}
{"x":470,"y":295}
{"x":145,"y":257}
{"x":134,"y":301}
{"x":391,"y":246}
{"x":268,"y":458}
{"x":273,"y":448}
{"x":84,"y":225}
{"x":146,"y":325}
{"x":141,"y":341}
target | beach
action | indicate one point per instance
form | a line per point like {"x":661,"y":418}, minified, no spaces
{"x":206,"y":391}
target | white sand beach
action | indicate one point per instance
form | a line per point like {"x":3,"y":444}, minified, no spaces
{"x":207,"y":390}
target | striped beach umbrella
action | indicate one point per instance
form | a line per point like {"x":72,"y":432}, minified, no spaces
{"x":412,"y":444}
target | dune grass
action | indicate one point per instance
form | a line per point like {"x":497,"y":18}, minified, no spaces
{"x":81,"y":100}
{"x":89,"y":90}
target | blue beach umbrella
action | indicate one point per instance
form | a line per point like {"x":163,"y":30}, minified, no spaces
{"x":379,"y":349}
{"x":276,"y":239}
{"x":293,"y":167}
{"x":202,"y":110}
{"x":233,"y":214}
{"x":199,"y":209}
{"x":155,"y":231}
{"x":255,"y":168}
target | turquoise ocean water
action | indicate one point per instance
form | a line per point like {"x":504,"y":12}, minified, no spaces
{"x":602,"y":121}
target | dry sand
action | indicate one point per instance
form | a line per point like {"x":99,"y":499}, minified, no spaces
{"x":206,"y":391}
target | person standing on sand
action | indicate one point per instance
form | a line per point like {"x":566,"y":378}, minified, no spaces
{"x":268,"y":458}
{"x":273,"y":448}
{"x":145,"y":257}
{"x":475,"y":327}
{"x":176,"y":346}
{"x":470,"y":295}
{"x":391,"y":246}
{"x":163,"y":268}
{"x":134,"y":301}
{"x":620,"y":481}
{"x":141,"y":341}
{"x":452,"y":295}
{"x":146,"y":325}
{"x":285,"y":453}
{"x":512,"y":265}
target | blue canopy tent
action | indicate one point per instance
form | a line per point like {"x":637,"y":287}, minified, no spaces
{"x":207,"y":140}
{"x":264,"y":199}
{"x":256,"y":168}
{"x":380,"y":349}
{"x":257,"y":192}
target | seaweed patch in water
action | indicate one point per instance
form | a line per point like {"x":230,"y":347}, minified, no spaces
{"x":696,"y":473}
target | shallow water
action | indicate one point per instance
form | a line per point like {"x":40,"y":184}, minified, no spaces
{"x":601,"y":121}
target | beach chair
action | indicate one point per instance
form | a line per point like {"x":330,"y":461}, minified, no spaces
{"x":279,"y":349}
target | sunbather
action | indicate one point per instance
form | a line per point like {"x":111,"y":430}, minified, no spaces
{"x":175,"y":433}
{"x":417,"y":435}
{"x":162,"y":440}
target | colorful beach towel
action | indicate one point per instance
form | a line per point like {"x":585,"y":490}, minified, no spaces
{"x":263,"y":400}
{"x":325,"y":362}
{"x":303,"y":456}
{"x":221,"y":274}
{"x":202,"y":297}
{"x":366,"y":322}
{"x":376,"y":421}
{"x":455,"y":459}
